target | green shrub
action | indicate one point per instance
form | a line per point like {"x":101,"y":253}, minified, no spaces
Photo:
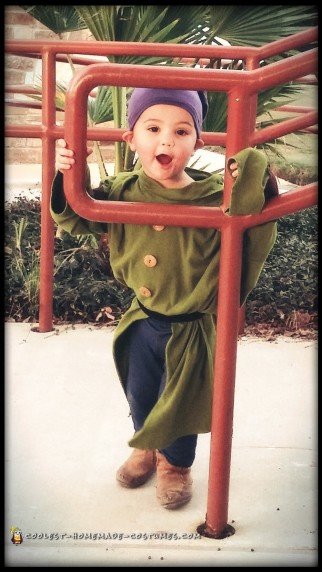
{"x":86,"y":291}
{"x":84,"y":287}
{"x":288,"y":282}
{"x":22,"y":250}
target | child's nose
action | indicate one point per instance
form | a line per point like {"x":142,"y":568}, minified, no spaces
{"x":167,"y":139}
{"x":168,"y":142}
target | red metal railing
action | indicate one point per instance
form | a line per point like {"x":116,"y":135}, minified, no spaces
{"x":242,"y":88}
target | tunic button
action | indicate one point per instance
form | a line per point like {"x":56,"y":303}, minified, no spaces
{"x":145,"y":292}
{"x":150,"y":260}
{"x":158,"y":227}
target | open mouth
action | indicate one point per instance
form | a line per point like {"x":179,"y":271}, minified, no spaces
{"x":164,"y":159}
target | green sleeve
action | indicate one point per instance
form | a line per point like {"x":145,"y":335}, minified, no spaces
{"x":66,"y":218}
{"x":248,"y":198}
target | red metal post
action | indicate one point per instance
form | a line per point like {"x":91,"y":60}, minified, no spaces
{"x":47,"y":224}
{"x":241,"y":113}
{"x":216,"y":525}
{"x":242,"y":109}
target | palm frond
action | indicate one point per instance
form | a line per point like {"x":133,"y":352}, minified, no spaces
{"x":216,"y":118}
{"x":60,"y":94}
{"x":138,"y":24}
{"x":100,"y":108}
{"x":100,"y":20}
{"x":59,"y":19}
{"x":277,"y":96}
{"x":190,"y":21}
{"x":258,"y":25}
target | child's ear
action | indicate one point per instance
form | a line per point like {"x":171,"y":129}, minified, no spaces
{"x":128,"y":137}
{"x":199,"y":144}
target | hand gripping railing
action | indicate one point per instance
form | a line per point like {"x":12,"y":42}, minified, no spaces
{"x":242,"y":89}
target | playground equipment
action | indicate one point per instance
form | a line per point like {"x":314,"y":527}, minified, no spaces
{"x":242,"y":88}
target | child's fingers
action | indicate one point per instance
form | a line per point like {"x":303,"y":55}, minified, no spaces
{"x":62,"y":149}
{"x":233,"y":167}
{"x":65,"y":152}
{"x":65,"y":157}
{"x":64,"y":162}
{"x":63,"y":166}
{"x":61,"y":143}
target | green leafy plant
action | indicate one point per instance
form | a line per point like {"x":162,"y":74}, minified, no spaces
{"x":288,"y":283}
{"x":22,"y":263}
{"x":83,"y":281}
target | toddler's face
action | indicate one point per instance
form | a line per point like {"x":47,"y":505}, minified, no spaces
{"x":164,"y":137}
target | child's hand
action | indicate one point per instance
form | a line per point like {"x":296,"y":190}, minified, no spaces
{"x":233,"y":168}
{"x":65,"y":157}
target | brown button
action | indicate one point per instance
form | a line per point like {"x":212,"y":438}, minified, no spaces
{"x":150,"y":260}
{"x":158,"y":227}
{"x":145,"y":292}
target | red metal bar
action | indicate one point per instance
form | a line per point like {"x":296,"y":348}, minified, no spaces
{"x":237,"y":140}
{"x":294,"y":109}
{"x":188,"y":216}
{"x":135,"y":76}
{"x":38,"y":131}
{"x":223,"y":397}
{"x":289,"y":43}
{"x":117,"y":74}
{"x":29,"y":131}
{"x":47,"y":224}
{"x":97,"y":133}
{"x":230,"y":320}
{"x":23,"y":103}
{"x":283,"y":205}
{"x":27,"y":89}
{"x":283,"y":71}
{"x":284,"y":127}
{"x":21,"y":89}
{"x":308,"y":80}
{"x":242,"y":112}
{"x":159,"y":49}
{"x":130,"y":49}
{"x":313,"y":129}
{"x":251,"y":64}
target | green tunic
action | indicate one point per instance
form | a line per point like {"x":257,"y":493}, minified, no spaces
{"x":182,"y":278}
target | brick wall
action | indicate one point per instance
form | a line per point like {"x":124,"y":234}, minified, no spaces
{"x":19,"y":25}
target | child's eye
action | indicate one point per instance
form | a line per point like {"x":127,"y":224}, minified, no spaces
{"x":153,"y":129}
{"x":182,"y":132}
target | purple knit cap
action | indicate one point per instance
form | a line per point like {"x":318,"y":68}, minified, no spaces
{"x":195,"y":102}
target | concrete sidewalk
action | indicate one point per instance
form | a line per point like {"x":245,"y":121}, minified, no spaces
{"x":67,"y":428}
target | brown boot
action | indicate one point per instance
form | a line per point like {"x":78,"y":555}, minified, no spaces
{"x":173,"y":483}
{"x":139,"y":467}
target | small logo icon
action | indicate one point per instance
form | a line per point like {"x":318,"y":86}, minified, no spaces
{"x":16,"y":537}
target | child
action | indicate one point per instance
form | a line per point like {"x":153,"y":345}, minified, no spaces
{"x":163,"y":346}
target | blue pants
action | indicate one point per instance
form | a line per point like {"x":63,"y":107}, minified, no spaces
{"x":146,"y":381}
